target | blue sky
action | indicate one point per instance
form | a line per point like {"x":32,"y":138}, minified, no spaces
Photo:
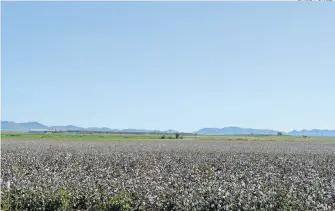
{"x":175,"y":65}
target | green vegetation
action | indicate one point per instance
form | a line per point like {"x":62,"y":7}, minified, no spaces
{"x":23,"y":199}
{"x":63,"y":136}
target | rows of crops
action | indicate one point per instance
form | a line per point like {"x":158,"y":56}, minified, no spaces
{"x":167,"y":175}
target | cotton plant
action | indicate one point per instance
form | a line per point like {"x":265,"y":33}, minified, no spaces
{"x":166,"y":175}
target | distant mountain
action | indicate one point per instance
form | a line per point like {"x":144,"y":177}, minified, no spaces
{"x":313,"y":132}
{"x":235,"y":131}
{"x":34,"y":125}
{"x":68,"y":127}
{"x":25,"y":127}
{"x":6,"y":125}
{"x":245,"y":131}
{"x":13,"y":126}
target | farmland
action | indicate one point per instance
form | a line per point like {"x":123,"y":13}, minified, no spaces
{"x":129,"y":136}
{"x":237,"y":173}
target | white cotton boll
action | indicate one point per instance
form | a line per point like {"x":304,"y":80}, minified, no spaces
{"x":8,"y":185}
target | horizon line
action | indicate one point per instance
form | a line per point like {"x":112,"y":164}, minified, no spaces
{"x":231,"y":126}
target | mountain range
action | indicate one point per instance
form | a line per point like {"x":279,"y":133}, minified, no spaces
{"x":242,"y":131}
{"x":25,"y":127}
{"x":235,"y":130}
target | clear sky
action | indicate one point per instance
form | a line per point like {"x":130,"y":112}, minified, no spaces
{"x":169,"y":65}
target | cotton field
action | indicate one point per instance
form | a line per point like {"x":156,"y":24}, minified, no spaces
{"x":167,"y":175}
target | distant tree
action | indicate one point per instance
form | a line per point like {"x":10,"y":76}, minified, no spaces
{"x":177,"y":135}
{"x":163,"y":137}
{"x":279,"y":133}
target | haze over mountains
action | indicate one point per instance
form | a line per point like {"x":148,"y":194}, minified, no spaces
{"x":25,"y":127}
{"x":242,"y":131}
